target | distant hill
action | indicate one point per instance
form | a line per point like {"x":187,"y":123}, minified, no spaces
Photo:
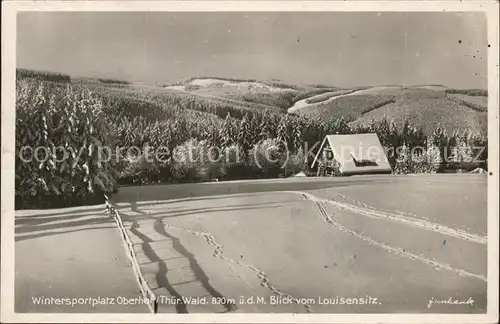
{"x":424,"y":106}
{"x":272,"y":93}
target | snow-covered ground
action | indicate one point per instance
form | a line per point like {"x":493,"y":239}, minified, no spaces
{"x":400,"y":240}
{"x":388,"y":243}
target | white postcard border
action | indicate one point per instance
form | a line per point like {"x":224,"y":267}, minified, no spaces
{"x":9,"y":9}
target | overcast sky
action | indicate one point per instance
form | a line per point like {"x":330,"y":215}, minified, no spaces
{"x":342,"y":49}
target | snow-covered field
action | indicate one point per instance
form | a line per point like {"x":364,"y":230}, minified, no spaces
{"x":389,"y":243}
